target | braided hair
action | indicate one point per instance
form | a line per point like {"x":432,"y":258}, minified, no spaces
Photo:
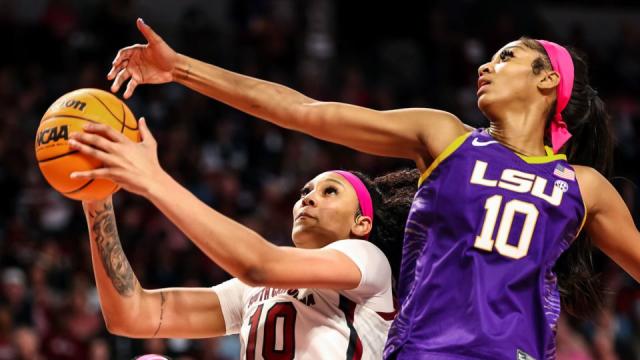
{"x":392,"y":195}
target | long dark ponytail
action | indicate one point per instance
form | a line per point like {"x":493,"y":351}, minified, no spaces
{"x":392,"y":195}
{"x":591,"y":145}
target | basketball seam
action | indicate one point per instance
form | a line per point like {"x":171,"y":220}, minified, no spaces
{"x":112,"y":114}
{"x":124,"y":116}
{"x":58,"y":156}
{"x":80,"y":188}
{"x":70,"y":116}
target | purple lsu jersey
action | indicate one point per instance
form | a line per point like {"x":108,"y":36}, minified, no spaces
{"x":484,"y":232}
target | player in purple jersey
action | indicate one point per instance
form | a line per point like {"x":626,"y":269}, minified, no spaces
{"x":496,"y":208}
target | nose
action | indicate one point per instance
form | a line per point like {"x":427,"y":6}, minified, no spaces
{"x":484,"y":69}
{"x":309,"y":199}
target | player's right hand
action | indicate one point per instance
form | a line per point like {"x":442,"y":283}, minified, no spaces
{"x":151,"y":63}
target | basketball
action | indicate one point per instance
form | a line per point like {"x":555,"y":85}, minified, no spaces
{"x":69,"y":114}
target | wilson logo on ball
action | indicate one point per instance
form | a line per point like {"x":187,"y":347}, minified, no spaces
{"x":71,"y":103}
{"x":52,"y":134}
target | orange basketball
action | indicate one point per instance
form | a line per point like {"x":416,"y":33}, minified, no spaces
{"x":69,"y":114}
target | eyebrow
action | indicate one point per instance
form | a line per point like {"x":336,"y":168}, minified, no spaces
{"x":329,"y":179}
{"x":507,"y":48}
{"x":335,"y":181}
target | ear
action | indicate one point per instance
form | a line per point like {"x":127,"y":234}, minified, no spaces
{"x":549,"y":81}
{"x":362,"y":226}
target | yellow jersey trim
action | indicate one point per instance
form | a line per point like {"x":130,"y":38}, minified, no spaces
{"x":543,"y":159}
{"x":455,"y":144}
{"x":584,"y":219}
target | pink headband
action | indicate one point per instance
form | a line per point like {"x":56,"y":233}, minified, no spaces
{"x":364,"y":198}
{"x":562,"y":63}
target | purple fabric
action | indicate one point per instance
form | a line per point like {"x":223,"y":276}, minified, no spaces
{"x":461,"y":302}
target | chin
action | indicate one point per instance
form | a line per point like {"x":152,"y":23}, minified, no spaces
{"x":301,"y":238}
{"x":486,"y":104}
{"x":483,"y":103}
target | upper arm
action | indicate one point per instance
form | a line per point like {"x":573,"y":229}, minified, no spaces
{"x":415,"y":133}
{"x":289,"y":267}
{"x":175,"y":313}
{"x":609,"y":222}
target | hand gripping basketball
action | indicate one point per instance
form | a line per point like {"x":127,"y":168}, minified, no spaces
{"x":133,"y":166}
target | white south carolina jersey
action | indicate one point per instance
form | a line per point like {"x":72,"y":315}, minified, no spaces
{"x":314,"y":323}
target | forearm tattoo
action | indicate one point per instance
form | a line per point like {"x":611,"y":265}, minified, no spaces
{"x":113,"y":259}
{"x":162,"y":300}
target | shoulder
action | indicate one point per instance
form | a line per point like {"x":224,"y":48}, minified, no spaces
{"x":232,"y":286}
{"x":375,"y":271}
{"x":449,"y":125}
{"x":356,"y":245}
{"x":367,"y":256}
{"x":435,"y":127}
{"x":438,"y":130}
{"x":591,"y":184}
{"x":588,"y":178}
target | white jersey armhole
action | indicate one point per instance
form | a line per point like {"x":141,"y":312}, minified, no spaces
{"x":231,"y":296}
{"x":375,"y":288}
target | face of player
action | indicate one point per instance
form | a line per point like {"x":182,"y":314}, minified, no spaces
{"x":325,"y":212}
{"x":507,"y":82}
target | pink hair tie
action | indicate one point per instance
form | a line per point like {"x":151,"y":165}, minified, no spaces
{"x":562,"y":63}
{"x":364,"y":198}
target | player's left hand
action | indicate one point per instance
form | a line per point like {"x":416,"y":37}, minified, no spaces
{"x":133,"y":166}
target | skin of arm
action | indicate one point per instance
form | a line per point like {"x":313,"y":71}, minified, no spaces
{"x":418,"y":134}
{"x":245,"y":254}
{"x":237,"y":249}
{"x":128,"y":309}
{"x":609,"y":221}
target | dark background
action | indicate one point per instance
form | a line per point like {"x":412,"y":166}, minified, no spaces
{"x":381,"y":55}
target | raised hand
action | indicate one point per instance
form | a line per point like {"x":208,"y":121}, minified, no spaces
{"x":133,"y":166}
{"x":151,"y":63}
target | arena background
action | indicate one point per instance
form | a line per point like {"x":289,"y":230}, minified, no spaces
{"x":383,"y":56}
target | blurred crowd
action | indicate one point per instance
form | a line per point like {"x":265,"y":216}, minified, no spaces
{"x":387,"y":57}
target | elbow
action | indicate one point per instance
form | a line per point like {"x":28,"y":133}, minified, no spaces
{"x":118,"y":327}
{"x":259,"y":268}
{"x":130,"y":328}
{"x":123,"y":322}
{"x":254,"y":276}
{"x":304,"y":115}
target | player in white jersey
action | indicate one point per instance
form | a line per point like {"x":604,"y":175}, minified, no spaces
{"x":329,"y":297}
{"x":315,"y":323}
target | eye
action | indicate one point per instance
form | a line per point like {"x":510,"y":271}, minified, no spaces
{"x":304,"y":191}
{"x":506,"y":54}
{"x":330,"y":190}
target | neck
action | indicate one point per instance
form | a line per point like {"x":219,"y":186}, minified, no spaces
{"x":521,"y":131}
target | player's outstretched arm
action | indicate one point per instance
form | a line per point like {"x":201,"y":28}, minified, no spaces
{"x":609,"y":221}
{"x":240,"y":251}
{"x":418,"y":134}
{"x":244,"y":253}
{"x":128,"y":309}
